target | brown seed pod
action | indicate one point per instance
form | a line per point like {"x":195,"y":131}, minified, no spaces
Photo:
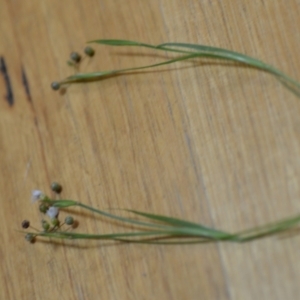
{"x":25,"y":224}
{"x":30,"y":237}
{"x":89,"y":51}
{"x":76,"y":57}
{"x":56,"y":187}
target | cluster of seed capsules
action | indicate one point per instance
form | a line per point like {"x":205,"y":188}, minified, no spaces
{"x":75,"y":59}
{"x":50,"y":211}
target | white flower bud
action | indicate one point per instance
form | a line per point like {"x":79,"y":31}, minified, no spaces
{"x":52,"y":212}
{"x":36,"y":195}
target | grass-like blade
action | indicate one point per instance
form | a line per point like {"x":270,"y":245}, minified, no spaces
{"x":267,"y":230}
{"x":76,"y":236}
{"x":234,"y":56}
{"x":122,"y":43}
{"x":69,"y":203}
{"x":194,"y":227}
{"x":162,"y":229}
{"x":88,"y":77}
{"x":186,"y":48}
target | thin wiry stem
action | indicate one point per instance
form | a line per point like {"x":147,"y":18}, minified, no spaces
{"x":190,"y":51}
{"x":158,"y":229}
{"x":166,"y":230}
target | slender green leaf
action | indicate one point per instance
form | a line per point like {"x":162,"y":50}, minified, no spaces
{"x":86,"y":77}
{"x":210,"y":52}
{"x":205,"y":231}
{"x":169,"y":228}
{"x":68,"y":203}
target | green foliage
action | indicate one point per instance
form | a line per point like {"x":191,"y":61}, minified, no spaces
{"x":158,"y":229}
{"x":188,"y":52}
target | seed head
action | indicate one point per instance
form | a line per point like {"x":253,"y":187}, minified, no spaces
{"x":75,"y":57}
{"x":89,"y":51}
{"x":30,"y":237}
{"x":69,"y":220}
{"x":43,"y":208}
{"x":56,"y":187}
{"x":45,"y":225}
{"x":25,"y":224}
{"x":55,"y":85}
{"x":55,"y":222}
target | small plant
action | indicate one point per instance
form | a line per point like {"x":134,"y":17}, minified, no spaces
{"x":153,"y":228}
{"x":150,"y":228}
{"x":186,"y":52}
{"x":53,"y":224}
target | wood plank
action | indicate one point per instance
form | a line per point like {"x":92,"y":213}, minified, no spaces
{"x":206,"y":141}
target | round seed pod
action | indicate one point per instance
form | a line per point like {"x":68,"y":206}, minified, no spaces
{"x":25,"y":224}
{"x":55,"y":222}
{"x":55,"y":85}
{"x":69,"y":220}
{"x":89,"y":51}
{"x":29,"y":237}
{"x":45,"y":225}
{"x":56,"y":187}
{"x":76,"y":57}
{"x":43,"y":208}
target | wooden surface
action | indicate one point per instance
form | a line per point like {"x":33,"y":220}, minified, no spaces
{"x":210,"y":143}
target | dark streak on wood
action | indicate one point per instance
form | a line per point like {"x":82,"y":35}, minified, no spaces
{"x":26,"y":85}
{"x":9,"y":93}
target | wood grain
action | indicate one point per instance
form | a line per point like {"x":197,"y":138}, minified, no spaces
{"x":212,"y":143}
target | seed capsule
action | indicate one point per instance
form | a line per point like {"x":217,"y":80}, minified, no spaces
{"x":25,"y":224}
{"x":55,"y":222}
{"x":29,"y":237}
{"x":43,"y":208}
{"x":89,"y":51}
{"x":45,"y":225}
{"x":69,"y":220}
{"x":55,"y":85}
{"x":56,"y":187}
{"x":75,"y":57}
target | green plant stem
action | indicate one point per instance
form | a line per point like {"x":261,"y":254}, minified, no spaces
{"x":194,"y":51}
{"x":166,"y":227}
